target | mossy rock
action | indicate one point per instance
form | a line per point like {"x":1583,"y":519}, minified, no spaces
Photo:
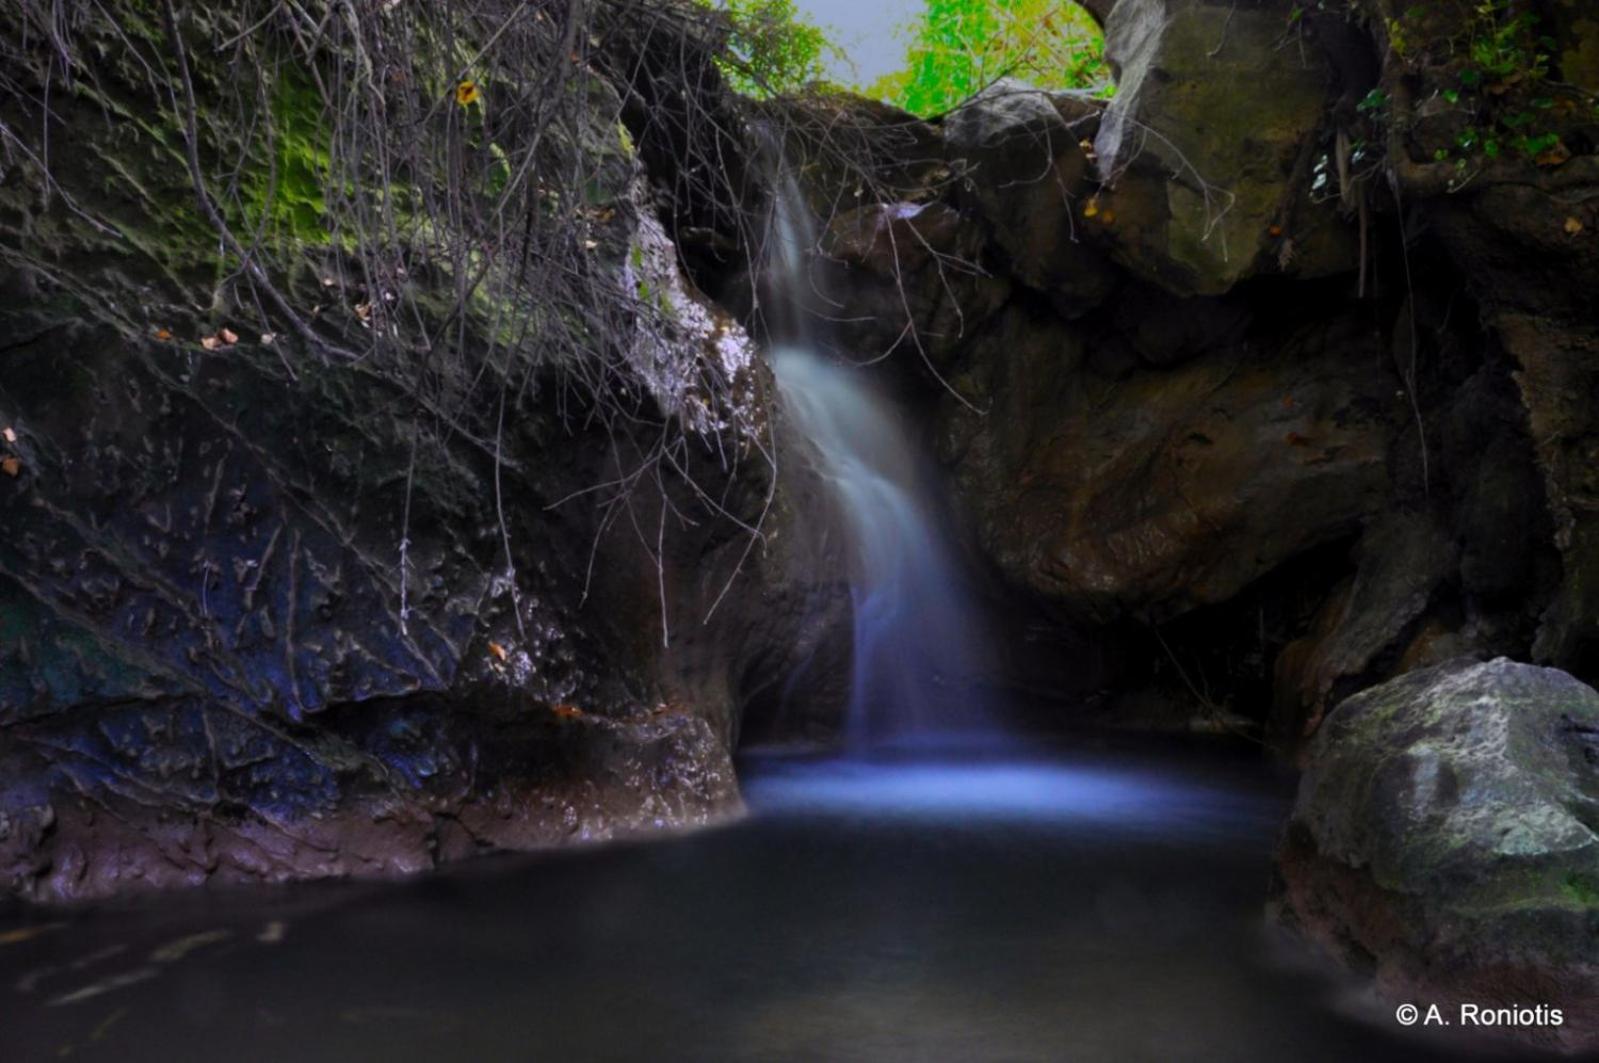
{"x":1445,"y":832}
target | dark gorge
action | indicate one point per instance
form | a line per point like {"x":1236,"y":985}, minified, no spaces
{"x":1119,"y":569}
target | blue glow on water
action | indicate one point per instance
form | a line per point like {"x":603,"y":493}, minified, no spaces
{"x":1144,"y":798}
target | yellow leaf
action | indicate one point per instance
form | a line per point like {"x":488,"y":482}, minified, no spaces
{"x":1091,"y":208}
{"x":1573,"y":227}
{"x":466,"y":93}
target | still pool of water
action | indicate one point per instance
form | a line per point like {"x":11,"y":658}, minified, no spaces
{"x":996,"y":907}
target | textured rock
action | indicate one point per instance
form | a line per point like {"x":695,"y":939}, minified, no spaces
{"x":1199,"y":173}
{"x":909,"y":277}
{"x":1401,"y":559}
{"x":1445,"y":832}
{"x":1021,"y":169}
{"x":1161,"y":490}
{"x":391,"y":790}
{"x":1532,"y":277}
{"x":271,"y":612}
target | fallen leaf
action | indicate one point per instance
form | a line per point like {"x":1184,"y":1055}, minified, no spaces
{"x":1275,"y":231}
{"x":466,"y":93}
{"x":567,"y":712}
{"x":229,"y":337}
{"x":163,"y":334}
{"x":9,"y":433}
{"x":497,"y":650}
{"x":210,"y":343}
{"x":1558,"y":155}
{"x":268,"y":337}
{"x":1573,"y":227}
{"x":590,"y":245}
{"x":1091,"y":208}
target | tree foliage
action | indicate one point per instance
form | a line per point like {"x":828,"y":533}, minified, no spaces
{"x":960,"y":46}
{"x":771,"y":47}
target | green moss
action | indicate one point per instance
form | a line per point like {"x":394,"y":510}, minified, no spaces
{"x":290,"y":195}
{"x":1581,"y":888}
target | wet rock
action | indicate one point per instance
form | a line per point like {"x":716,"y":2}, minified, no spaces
{"x":393,"y":790}
{"x":1165,"y":330}
{"x":1016,"y":153}
{"x":1150,"y":493}
{"x":1203,"y":180}
{"x":1444,"y":835}
{"x":907,"y":277}
{"x":1400,"y":560}
{"x":1532,"y":274}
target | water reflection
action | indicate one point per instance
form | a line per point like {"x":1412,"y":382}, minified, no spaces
{"x":977,"y":908}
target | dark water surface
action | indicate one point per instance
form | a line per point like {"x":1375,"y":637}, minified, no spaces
{"x":1081,"y":906}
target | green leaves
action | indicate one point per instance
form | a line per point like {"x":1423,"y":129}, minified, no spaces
{"x":961,"y":46}
{"x":775,"y":49}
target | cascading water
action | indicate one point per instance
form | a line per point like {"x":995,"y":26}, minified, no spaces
{"x":917,"y":646}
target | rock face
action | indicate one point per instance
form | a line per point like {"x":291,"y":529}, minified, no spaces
{"x":1445,"y":833}
{"x":1273,"y":415}
{"x":269,"y":610}
{"x":1131,"y":496}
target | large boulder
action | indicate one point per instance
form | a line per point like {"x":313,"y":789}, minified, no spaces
{"x":1446,"y":834}
{"x":1206,"y":179}
{"x":1016,"y":152}
{"x":1125,"y":490}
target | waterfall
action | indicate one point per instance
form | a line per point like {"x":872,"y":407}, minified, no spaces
{"x":918,"y":646}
